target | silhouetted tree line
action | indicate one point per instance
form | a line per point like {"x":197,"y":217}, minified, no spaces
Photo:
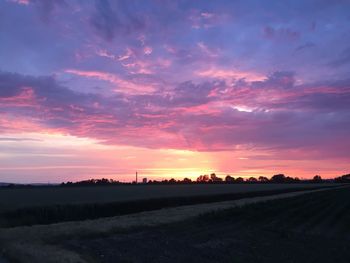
{"x":343,"y":179}
{"x":202,"y":179}
{"x":89,"y":182}
{"x":214,"y":179}
{"x":278,"y":178}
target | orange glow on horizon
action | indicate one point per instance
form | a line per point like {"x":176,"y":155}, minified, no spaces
{"x":67,"y":158}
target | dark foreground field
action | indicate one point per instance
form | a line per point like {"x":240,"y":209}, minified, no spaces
{"x":13,"y":199}
{"x":310,"y":228}
{"x":32,"y":206}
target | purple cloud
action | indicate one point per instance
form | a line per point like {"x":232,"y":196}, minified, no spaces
{"x":281,"y":115}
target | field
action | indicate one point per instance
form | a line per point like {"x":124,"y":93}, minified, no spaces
{"x":280,"y":225}
{"x":308,"y":228}
{"x":44,"y":205}
{"x":45,"y":196}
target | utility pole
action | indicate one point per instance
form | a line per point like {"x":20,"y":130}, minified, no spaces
{"x":136,"y":177}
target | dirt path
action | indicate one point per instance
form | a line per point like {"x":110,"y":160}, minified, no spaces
{"x":36,"y":242}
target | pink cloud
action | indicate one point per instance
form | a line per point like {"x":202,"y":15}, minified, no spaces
{"x":105,"y":53}
{"x":226,"y":74}
{"x":138,"y":67}
{"x":21,"y":2}
{"x":128,"y":54}
{"x":148,"y":50}
{"x":272,"y":115}
{"x":123,"y":86}
{"x":25,"y":98}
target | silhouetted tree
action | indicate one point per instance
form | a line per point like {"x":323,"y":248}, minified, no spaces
{"x":239,"y":180}
{"x":343,"y":179}
{"x":289,"y":179}
{"x":229,"y":179}
{"x":263,"y":179}
{"x":278,"y":178}
{"x":317,"y":179}
{"x":214,"y":178}
{"x":172,"y":181}
{"x":91,"y":182}
{"x":252,"y":180}
{"x":187,"y":180}
{"x":203,"y":178}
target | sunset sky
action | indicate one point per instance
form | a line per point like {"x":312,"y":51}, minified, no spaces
{"x":92,"y":89}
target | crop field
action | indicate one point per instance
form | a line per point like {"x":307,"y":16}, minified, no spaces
{"x":299,"y":226}
{"x":11,"y":199}
{"x":30,"y":206}
{"x":310,"y":228}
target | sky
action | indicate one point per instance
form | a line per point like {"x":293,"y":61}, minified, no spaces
{"x":92,"y":89}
